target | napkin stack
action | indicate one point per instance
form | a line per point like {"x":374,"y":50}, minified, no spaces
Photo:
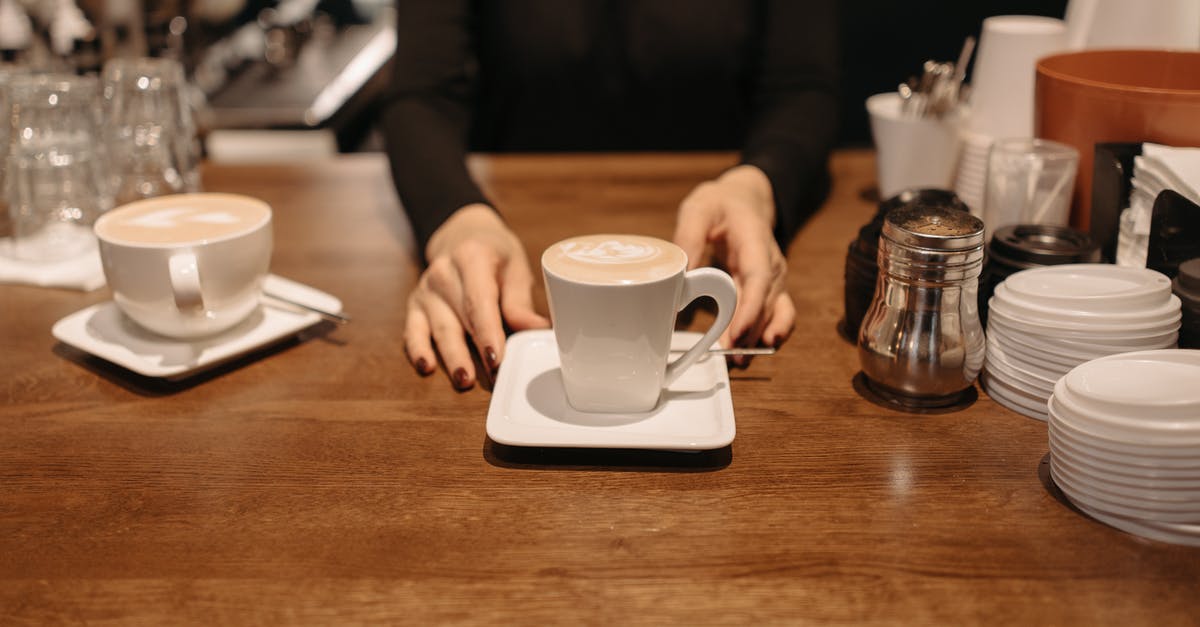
{"x":1158,"y":168}
{"x":83,"y":272}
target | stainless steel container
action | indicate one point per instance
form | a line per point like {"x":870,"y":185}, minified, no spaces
{"x":921,"y":343}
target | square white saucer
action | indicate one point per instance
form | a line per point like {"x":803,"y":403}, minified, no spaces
{"x":105,"y":332}
{"x":529,"y":407}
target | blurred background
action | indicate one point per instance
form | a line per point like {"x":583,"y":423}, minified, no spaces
{"x":303,"y":78}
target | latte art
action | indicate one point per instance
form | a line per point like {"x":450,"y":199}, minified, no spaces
{"x":183,"y":218}
{"x":614,"y":259}
{"x":609,"y":251}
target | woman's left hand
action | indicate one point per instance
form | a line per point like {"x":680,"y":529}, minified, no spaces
{"x":733,"y":216}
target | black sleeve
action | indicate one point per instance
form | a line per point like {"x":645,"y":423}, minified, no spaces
{"x":794,"y":123}
{"x":426,"y":115}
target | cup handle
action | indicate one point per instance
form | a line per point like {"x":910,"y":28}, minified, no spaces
{"x":704,"y":282}
{"x":185,"y":282}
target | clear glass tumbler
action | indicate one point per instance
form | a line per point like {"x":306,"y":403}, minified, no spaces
{"x":1029,"y":181}
{"x":150,"y":130}
{"x":56,"y":175}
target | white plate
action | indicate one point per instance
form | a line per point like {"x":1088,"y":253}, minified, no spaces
{"x":1045,"y":365}
{"x":1089,"y":494}
{"x":1035,"y":375}
{"x":1135,"y":450}
{"x":1040,"y":347}
{"x":1150,"y":490}
{"x":1162,"y":385}
{"x":1080,"y":337}
{"x":105,"y":332}
{"x":1174,"y":533}
{"x":1091,"y":286}
{"x":1100,"y":463}
{"x":1143,"y":426}
{"x":1031,"y":308}
{"x":529,"y":407}
{"x":1088,"y":327}
{"x":1011,"y":398}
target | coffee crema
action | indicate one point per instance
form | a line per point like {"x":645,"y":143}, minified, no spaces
{"x":614,"y":259}
{"x":183,"y":219}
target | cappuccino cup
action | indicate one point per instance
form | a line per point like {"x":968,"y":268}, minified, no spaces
{"x":187,"y":265}
{"x":613,"y":302}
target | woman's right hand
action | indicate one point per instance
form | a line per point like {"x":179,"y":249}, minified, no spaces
{"x":478,"y":278}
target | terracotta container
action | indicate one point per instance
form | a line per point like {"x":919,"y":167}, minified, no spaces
{"x":1084,"y":98}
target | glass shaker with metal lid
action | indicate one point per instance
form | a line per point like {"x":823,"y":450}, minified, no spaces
{"x":921,"y":343}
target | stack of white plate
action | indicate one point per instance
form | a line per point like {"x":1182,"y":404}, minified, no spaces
{"x":1044,"y":321}
{"x":1125,"y":442}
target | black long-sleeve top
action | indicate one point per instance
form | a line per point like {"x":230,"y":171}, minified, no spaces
{"x":550,"y":75}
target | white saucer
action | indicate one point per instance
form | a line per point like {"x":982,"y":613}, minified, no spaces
{"x":529,"y":407}
{"x":105,"y":332}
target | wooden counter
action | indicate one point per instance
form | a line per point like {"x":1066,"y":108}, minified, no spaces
{"x":324,"y":481}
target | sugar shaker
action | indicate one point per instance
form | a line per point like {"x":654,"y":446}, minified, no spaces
{"x":921,"y":343}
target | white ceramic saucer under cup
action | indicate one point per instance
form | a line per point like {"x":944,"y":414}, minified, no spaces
{"x":1091,"y":286}
{"x":529,"y":407}
{"x":1161,"y":385}
{"x":105,"y":332}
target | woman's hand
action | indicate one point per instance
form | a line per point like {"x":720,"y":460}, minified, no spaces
{"x":478,"y":278}
{"x":733,"y":216}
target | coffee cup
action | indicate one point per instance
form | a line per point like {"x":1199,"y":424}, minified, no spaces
{"x":613,"y":302}
{"x":187,"y":265}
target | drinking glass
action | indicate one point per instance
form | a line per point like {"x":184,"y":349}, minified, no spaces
{"x":1029,"y":181}
{"x":56,"y":176}
{"x":151,"y":132}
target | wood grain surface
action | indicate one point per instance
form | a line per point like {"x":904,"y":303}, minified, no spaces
{"x":325,"y":482}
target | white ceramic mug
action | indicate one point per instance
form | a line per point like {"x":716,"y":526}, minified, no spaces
{"x":187,"y":265}
{"x":614,"y":300}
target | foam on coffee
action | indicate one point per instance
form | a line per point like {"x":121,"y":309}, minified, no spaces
{"x":182,"y":219}
{"x":614,"y":259}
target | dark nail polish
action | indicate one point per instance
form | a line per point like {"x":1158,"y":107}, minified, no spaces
{"x":422,"y":366}
{"x":461,"y":380}
{"x":493,"y":360}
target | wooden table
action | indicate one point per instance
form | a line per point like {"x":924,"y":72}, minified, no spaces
{"x":325,"y":481}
